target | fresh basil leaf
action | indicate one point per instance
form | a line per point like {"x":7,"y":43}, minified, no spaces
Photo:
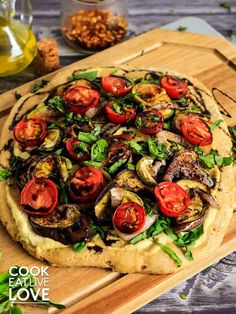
{"x":98,"y":150}
{"x":136,"y":147}
{"x":90,"y":76}
{"x":96,"y":131}
{"x":213,"y":158}
{"x":114,"y":168}
{"x":171,"y":253}
{"x":97,"y":230}
{"x":138,"y":122}
{"x":130,"y":166}
{"x":87,"y":137}
{"x":79,"y":246}
{"x":4,"y":173}
{"x":216,"y":124}
{"x":116,"y":107}
{"x":56,"y":103}
{"x":92,"y":163}
{"x":188,"y":255}
{"x":138,"y":238}
{"x":167,"y":125}
{"x":39,"y":85}
{"x":157,"y":150}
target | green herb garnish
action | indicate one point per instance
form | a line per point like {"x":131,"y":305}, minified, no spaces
{"x":56,"y":103}
{"x":39,"y":85}
{"x":182,"y":28}
{"x":130,"y":166}
{"x":90,"y":76}
{"x":17,"y":95}
{"x":4,"y":173}
{"x":98,"y":150}
{"x":182,"y":296}
{"x":216,"y":124}
{"x":114,"y":168}
{"x":213,"y":158}
{"x":79,"y":246}
{"x":158,"y":150}
{"x":171,"y":253}
{"x":87,"y":137}
{"x":92,"y":163}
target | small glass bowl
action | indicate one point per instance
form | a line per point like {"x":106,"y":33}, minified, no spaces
{"x":93,"y":25}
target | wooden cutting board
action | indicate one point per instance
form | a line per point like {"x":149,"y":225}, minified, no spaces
{"x":89,"y":290}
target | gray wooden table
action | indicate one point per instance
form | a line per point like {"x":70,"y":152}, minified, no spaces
{"x":214,"y":289}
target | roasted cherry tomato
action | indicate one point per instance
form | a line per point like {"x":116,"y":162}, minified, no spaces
{"x":120,"y":113}
{"x":30,"y":133}
{"x":39,"y":196}
{"x":75,"y":151}
{"x":149,"y":122}
{"x":120,"y":138}
{"x":174,"y":86}
{"x":196,"y":131}
{"x":86,"y":184}
{"x":172,"y":199}
{"x":129,"y":217}
{"x":116,"y":85}
{"x":79,"y":99}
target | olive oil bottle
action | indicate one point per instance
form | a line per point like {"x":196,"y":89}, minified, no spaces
{"x":17,"y":41}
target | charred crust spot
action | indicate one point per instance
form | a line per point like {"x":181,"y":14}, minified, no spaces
{"x":96,"y":249}
{"x":144,"y":267}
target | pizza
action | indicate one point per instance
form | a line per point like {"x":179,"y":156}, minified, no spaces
{"x":119,"y":168}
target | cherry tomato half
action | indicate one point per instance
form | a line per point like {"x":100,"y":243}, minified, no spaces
{"x":196,"y":131}
{"x":30,"y":133}
{"x":39,"y":196}
{"x":116,"y":85}
{"x":86,"y":184}
{"x":172,"y":199}
{"x":79,"y":99}
{"x":126,"y":113}
{"x":150,"y":122}
{"x":75,"y":152}
{"x":129,"y":217}
{"x":174,"y":86}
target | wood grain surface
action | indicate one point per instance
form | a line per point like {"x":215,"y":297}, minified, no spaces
{"x":213,"y":290}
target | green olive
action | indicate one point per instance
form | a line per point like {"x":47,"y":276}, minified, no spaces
{"x":144,"y":169}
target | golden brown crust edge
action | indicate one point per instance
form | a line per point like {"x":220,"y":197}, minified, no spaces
{"x":133,"y":259}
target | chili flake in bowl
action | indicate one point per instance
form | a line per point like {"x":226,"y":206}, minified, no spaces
{"x":96,"y":27}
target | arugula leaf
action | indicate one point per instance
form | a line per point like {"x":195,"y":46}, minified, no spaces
{"x":216,"y":124}
{"x":90,"y":76}
{"x":157,"y":150}
{"x":98,"y":150}
{"x":92,"y":163}
{"x":171,"y":253}
{"x":87,"y":137}
{"x":56,"y":103}
{"x":112,"y":169}
{"x":39,"y":85}
{"x":79,"y":246}
{"x":4,"y":173}
{"x":213,"y":158}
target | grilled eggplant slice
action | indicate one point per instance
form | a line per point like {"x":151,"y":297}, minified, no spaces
{"x":150,"y":95}
{"x":52,"y":140}
{"x":66,"y":225}
{"x":106,"y":206}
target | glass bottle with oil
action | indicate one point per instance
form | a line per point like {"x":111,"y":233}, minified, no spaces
{"x":17,"y":41}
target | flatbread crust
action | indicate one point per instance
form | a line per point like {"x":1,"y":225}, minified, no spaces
{"x":146,"y":256}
